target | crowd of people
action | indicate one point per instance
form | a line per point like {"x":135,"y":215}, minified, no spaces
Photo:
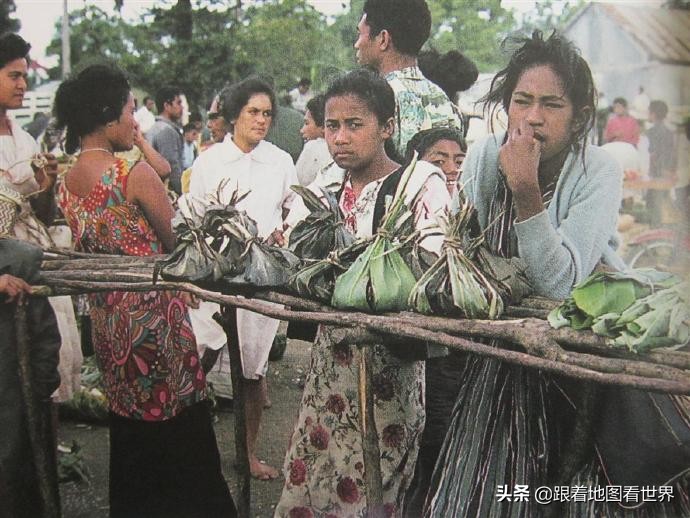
{"x":452,"y":429}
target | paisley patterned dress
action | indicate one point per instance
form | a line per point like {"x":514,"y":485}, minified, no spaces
{"x":144,"y":342}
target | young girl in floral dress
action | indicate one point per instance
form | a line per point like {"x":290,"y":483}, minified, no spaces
{"x":324,"y":468}
{"x":164,"y":459}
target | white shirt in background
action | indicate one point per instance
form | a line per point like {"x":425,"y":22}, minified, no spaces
{"x":314,"y":157}
{"x":144,"y":118}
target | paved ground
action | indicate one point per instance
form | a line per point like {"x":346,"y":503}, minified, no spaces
{"x":82,"y":500}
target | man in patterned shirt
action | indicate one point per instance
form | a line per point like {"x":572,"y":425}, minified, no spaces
{"x":391,"y":34}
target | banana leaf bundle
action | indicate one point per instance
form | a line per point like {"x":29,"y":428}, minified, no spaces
{"x":220,"y":243}
{"x":380,"y":280}
{"x":317,"y":280}
{"x":210,"y":239}
{"x":322,"y":231}
{"x":263,"y":266}
{"x":639,"y":309}
{"x":455,"y":284}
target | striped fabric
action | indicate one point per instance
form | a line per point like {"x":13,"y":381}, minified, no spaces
{"x":498,"y":434}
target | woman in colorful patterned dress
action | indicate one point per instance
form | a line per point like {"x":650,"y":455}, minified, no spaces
{"x":324,"y":463}
{"x":164,"y":459}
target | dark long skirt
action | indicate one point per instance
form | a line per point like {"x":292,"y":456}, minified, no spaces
{"x":514,"y":430}
{"x":167,"y":468}
{"x":497,"y":440}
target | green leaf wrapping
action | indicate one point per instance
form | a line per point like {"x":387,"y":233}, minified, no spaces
{"x":322,"y":231}
{"x":219,"y":243}
{"x":317,"y":279}
{"x":455,"y":285}
{"x":350,"y":290}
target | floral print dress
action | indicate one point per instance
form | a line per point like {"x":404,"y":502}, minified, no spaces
{"x":324,"y":466}
{"x":144,"y":342}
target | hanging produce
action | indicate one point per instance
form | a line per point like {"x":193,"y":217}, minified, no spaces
{"x":317,"y":280}
{"x":220,"y":242}
{"x":639,"y":309}
{"x":323,"y":230}
{"x":380,"y":280}
{"x":455,"y":284}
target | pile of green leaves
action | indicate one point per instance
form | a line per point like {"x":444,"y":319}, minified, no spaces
{"x":639,"y":309}
{"x":380,"y":280}
{"x":220,"y":243}
{"x":322,"y":231}
{"x":455,"y":284}
{"x":89,"y":403}
{"x":71,"y":466}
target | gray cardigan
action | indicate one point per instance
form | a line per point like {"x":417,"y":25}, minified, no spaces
{"x":562,"y":244}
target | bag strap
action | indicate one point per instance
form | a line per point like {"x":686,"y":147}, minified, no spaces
{"x":388,"y":188}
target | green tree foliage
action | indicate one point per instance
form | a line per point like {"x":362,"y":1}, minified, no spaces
{"x":286,"y":40}
{"x":475,"y":28}
{"x":283,"y":39}
{"x":7,"y":23}
{"x":549,"y":14}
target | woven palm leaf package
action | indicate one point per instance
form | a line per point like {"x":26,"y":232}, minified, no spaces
{"x":380,"y":279}
{"x":317,"y":280}
{"x":219,"y":242}
{"x":322,"y":231}
{"x":455,"y":284}
{"x":10,"y":202}
{"x":639,"y":309}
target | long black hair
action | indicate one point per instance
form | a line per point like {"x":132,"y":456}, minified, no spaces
{"x":565,"y":60}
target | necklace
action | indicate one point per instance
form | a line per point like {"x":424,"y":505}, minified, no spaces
{"x":95,"y":149}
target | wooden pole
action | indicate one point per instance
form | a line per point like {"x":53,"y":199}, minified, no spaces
{"x":64,"y":38}
{"x":370,"y":437}
{"x":228,"y":321}
{"x":659,"y":371}
{"x":37,"y":420}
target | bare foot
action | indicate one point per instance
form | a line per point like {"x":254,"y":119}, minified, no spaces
{"x":262,"y":471}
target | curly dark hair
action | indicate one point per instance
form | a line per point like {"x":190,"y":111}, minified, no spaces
{"x":407,"y":21}
{"x":235,"y":97}
{"x":13,"y":46}
{"x":368,"y":86}
{"x":565,"y":60}
{"x":659,"y":109}
{"x":316,"y":106}
{"x":90,"y":100}
{"x":453,"y":72}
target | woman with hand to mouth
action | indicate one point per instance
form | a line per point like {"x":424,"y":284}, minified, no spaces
{"x":544,"y":195}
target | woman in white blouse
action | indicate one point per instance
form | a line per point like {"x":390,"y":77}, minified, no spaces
{"x":245,"y":163}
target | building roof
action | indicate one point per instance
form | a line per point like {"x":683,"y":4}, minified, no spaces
{"x":664,"y":34}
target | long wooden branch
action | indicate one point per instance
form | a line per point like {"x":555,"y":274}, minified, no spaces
{"x":541,"y":342}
